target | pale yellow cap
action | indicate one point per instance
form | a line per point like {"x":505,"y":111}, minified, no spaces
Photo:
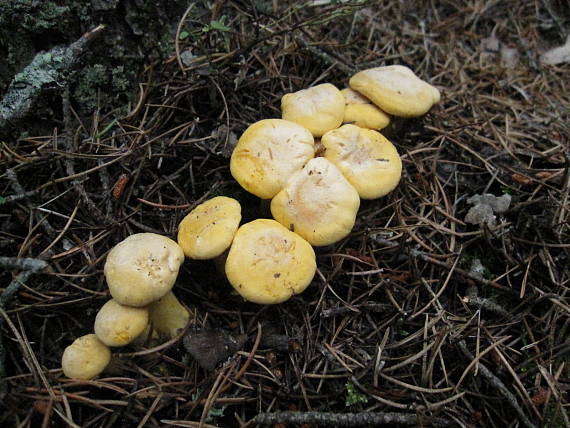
{"x":396,"y":90}
{"x":360,"y":111}
{"x":268,"y":153}
{"x":119,"y":325}
{"x":85,"y":358}
{"x":318,"y":203}
{"x":366,"y":158}
{"x":319,"y":109}
{"x":168,"y":316}
{"x":208,"y":230}
{"x":268,"y":264}
{"x":142,"y":268}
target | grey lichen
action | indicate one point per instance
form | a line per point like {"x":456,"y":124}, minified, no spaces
{"x":48,"y":70}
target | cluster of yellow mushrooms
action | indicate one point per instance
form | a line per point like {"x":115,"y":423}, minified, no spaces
{"x":314,"y":201}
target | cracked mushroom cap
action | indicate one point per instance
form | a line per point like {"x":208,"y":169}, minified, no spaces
{"x":268,"y":153}
{"x":85,"y":358}
{"x":366,"y":158}
{"x":142,"y":268}
{"x":360,"y":111}
{"x":119,"y":325}
{"x":319,"y":109}
{"x":268,"y":263}
{"x":318,"y":203}
{"x":208,"y":230}
{"x":396,"y":90}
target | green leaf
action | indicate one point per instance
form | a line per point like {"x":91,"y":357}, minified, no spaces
{"x":219,"y":26}
{"x":183,"y":35}
{"x":2,"y":200}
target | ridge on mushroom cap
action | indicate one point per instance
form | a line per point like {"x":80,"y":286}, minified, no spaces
{"x":396,"y":90}
{"x":142,"y":268}
{"x":319,"y":108}
{"x":368,"y":160}
{"x":208,"y":230}
{"x":362,"y":112}
{"x":317,"y":203}
{"x":267,"y":263}
{"x":85,"y":358}
{"x":268,"y":153}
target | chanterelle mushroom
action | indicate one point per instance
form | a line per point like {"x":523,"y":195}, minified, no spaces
{"x":319,"y":109}
{"x":360,"y":111}
{"x":85,"y":358}
{"x":318,"y":203}
{"x":142,"y":268}
{"x":119,"y":325}
{"x":268,"y":153}
{"x":366,"y":158}
{"x":268,"y":264}
{"x":396,"y":90}
{"x":168,"y":316}
{"x":208,"y":230}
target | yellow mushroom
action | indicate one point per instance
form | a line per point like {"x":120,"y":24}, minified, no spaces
{"x":208,"y":230}
{"x":360,"y":111}
{"x":318,"y":203}
{"x":366,"y":158}
{"x":319,"y":109}
{"x":168,"y":316}
{"x":119,"y":325}
{"x":268,"y":264}
{"x":142,"y":268}
{"x":396,"y":90}
{"x":85,"y":358}
{"x":268,"y":153}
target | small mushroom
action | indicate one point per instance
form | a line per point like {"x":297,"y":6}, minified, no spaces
{"x":119,"y":325}
{"x":360,"y":111}
{"x":396,"y":90}
{"x":142,"y":268}
{"x":85,"y":358}
{"x":319,"y":109}
{"x":208,"y":230}
{"x":168,"y":316}
{"x":318,"y":203}
{"x":366,"y":158}
{"x":268,"y":263}
{"x":268,"y":153}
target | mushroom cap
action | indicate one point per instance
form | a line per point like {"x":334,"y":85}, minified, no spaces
{"x":360,"y":111}
{"x":319,"y":109}
{"x":268,"y":153}
{"x":142,"y":268}
{"x":168,"y":315}
{"x":119,"y":325}
{"x":396,"y":90}
{"x":208,"y":230}
{"x":85,"y":358}
{"x":268,"y":264}
{"x":366,"y":158}
{"x":318,"y":203}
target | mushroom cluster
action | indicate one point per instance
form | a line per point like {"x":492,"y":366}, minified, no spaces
{"x":140,"y":272}
{"x":314,"y":198}
{"x":315,"y":193}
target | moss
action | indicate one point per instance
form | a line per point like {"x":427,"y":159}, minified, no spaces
{"x":35,"y":16}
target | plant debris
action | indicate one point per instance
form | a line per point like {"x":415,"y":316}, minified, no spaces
{"x":398,"y":309}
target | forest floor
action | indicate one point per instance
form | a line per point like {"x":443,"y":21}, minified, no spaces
{"x":418,"y":318}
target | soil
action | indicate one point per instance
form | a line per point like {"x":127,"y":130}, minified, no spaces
{"x":422,"y":316}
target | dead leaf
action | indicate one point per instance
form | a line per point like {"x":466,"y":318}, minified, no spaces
{"x":557,"y":55}
{"x":209,"y":347}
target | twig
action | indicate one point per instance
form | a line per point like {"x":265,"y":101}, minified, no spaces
{"x":348,"y":419}
{"x":497,"y":383}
